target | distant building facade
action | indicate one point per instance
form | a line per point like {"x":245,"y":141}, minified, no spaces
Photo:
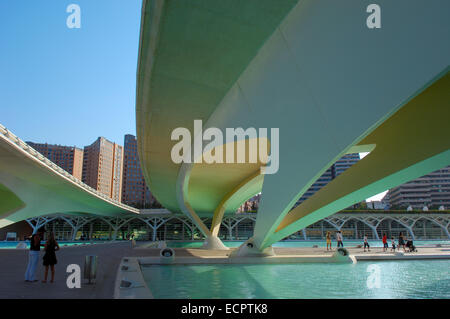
{"x":134,"y":189}
{"x":250,"y":205}
{"x":69,"y":158}
{"x":432,"y":191}
{"x":331,"y":173}
{"x":103,"y":167}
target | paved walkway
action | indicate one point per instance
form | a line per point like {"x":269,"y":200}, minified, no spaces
{"x":14,"y":262}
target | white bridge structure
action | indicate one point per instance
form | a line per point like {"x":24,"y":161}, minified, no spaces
{"x":31,"y":185}
{"x":34,"y":189}
{"x":162,"y":225}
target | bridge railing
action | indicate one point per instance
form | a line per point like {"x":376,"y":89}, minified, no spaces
{"x":27,"y":148}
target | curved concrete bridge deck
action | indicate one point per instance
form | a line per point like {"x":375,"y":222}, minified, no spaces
{"x":313,"y":70}
{"x":31,"y":186}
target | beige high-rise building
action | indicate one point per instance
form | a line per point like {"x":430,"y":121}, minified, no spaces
{"x":102,"y":167}
{"x":69,"y":158}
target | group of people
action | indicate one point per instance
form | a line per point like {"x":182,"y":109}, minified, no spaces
{"x":401,"y":242}
{"x":49,"y":259}
{"x":339,"y":239}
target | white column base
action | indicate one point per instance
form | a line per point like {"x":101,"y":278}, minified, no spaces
{"x":214,"y":243}
{"x":342,"y":256}
{"x":248,"y":249}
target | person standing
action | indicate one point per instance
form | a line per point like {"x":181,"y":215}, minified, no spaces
{"x":328,"y":240}
{"x":401,"y":242}
{"x":393,"y":244}
{"x":51,"y":246}
{"x":339,"y":239}
{"x":385,"y":244}
{"x":33,"y":258}
{"x":366,"y":243}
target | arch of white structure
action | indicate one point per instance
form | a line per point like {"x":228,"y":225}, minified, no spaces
{"x":230,"y":223}
{"x":32,"y":186}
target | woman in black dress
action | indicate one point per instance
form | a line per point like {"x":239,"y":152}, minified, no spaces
{"x":50,"y":257}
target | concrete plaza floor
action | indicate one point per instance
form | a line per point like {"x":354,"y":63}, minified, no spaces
{"x":14,"y":262}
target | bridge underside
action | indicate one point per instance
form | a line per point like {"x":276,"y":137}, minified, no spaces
{"x":315,"y":71}
{"x":312,"y":69}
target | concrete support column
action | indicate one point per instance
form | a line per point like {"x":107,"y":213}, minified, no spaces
{"x":91,"y":230}
{"x":446,"y":231}
{"x":424,"y":230}
{"x":321,"y":229}
{"x":114,"y":234}
{"x":374,"y":230}
{"x":411,"y":233}
{"x":390,"y":227}
{"x":304,"y":234}
{"x":214,"y":242}
{"x":35,"y":228}
{"x":74,"y":232}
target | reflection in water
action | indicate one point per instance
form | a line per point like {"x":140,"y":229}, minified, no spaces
{"x":398,"y":279}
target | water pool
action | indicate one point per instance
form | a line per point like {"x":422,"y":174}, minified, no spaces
{"x":347,"y":243}
{"x":13,"y":244}
{"x":398,"y":279}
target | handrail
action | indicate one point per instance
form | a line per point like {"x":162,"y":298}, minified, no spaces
{"x":52,"y":166}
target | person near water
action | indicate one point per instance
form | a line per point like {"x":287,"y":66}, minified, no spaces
{"x":392,"y":244}
{"x":401,"y":241}
{"x":33,"y":257}
{"x":328,"y":240}
{"x":339,"y":239}
{"x":366,"y":243}
{"x":51,"y":246}
{"x":385,"y":243}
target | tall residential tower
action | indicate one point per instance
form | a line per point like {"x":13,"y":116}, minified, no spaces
{"x":69,"y":158}
{"x":134,"y":189}
{"x":102,"y":167}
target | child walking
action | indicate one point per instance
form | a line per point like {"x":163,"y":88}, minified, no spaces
{"x":392,"y":244}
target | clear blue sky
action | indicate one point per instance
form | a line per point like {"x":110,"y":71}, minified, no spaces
{"x":68,"y":86}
